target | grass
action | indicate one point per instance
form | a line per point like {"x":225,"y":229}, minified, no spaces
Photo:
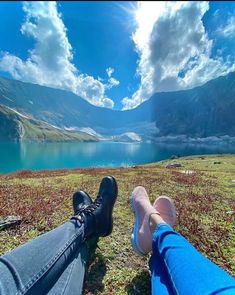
{"x":35,"y":130}
{"x":203,"y":200}
{"x":41,"y":131}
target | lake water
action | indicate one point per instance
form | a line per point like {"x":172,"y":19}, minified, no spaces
{"x":17,"y":156}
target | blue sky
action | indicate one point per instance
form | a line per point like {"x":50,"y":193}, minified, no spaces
{"x":117,"y":54}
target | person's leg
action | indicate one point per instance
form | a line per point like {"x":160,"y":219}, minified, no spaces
{"x":160,"y":280}
{"x":160,"y":277}
{"x":177,"y":267}
{"x":34,"y":267}
{"x":71,"y":280}
{"x":44,"y":264}
{"x":141,"y":239}
{"x":189,"y":272}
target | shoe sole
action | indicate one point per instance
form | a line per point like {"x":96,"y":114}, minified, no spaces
{"x":135,"y":229}
{"x":110,"y":229}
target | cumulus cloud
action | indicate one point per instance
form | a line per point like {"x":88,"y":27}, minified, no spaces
{"x":174,"y":49}
{"x":50,"y":61}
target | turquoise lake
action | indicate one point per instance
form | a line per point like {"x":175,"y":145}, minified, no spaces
{"x":17,"y":156}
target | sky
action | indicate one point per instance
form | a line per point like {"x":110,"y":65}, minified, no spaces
{"x":117,"y":54}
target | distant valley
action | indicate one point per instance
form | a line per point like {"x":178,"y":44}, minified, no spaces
{"x":38,"y":113}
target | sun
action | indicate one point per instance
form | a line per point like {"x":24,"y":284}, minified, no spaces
{"x":142,"y":15}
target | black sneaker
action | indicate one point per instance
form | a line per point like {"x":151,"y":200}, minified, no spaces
{"x":97,"y":217}
{"x":81,"y":200}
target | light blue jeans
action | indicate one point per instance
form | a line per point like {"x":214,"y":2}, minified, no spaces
{"x":54,"y":263}
{"x":178,"y":268}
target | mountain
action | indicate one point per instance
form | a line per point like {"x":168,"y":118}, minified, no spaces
{"x":207,"y":110}
{"x":204,"y":111}
{"x":18,"y":127}
{"x":66,"y":110}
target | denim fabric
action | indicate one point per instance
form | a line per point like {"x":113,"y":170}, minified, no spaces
{"x":53,"y":263}
{"x":178,"y":268}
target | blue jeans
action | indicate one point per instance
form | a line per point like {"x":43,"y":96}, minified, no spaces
{"x":178,"y":268}
{"x":54,"y":263}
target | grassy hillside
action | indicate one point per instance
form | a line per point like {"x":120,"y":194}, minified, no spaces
{"x":39,"y":131}
{"x":204,"y":200}
{"x":64,"y":108}
{"x":16,"y":126}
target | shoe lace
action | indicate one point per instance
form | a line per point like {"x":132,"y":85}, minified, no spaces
{"x":93,"y":206}
{"x":81,"y":208}
{"x":87,"y":210}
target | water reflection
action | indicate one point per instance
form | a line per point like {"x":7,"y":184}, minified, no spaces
{"x":15,"y":156}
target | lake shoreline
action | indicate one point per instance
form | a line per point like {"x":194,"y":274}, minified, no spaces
{"x":51,"y":172}
{"x":41,"y":156}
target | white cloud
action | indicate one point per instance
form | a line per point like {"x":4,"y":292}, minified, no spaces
{"x":109,"y":71}
{"x":50,"y":61}
{"x":174,"y":49}
{"x":112,"y":81}
{"x":227,"y":30}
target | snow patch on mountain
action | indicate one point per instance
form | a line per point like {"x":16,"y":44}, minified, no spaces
{"x":18,"y":113}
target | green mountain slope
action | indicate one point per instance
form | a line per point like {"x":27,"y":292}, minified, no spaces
{"x":65,"y":109}
{"x":19,"y":127}
{"x":204,"y":111}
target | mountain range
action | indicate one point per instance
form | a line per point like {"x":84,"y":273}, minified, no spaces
{"x":32,"y":112}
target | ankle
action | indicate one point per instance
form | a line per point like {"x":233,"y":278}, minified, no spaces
{"x":154,"y":220}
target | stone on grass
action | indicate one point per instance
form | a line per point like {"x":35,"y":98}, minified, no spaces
{"x":174,"y":157}
{"x":9,"y":221}
{"x":187,"y":172}
{"x":174,"y":165}
{"x":230,"y":212}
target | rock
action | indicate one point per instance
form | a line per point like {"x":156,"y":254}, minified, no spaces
{"x":173,"y":157}
{"x":230,"y":212}
{"x":217,"y":162}
{"x":233,"y":181}
{"x":174,"y":165}
{"x":187,"y":172}
{"x":9,"y":221}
